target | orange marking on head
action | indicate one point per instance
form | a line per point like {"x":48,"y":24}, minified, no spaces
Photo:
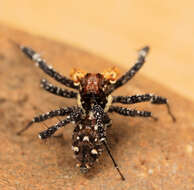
{"x":77,"y":75}
{"x":111,"y":74}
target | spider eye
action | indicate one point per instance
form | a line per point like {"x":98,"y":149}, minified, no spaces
{"x":77,"y":75}
{"x":111,"y":74}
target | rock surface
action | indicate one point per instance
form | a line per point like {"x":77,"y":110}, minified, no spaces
{"x":152,"y":155}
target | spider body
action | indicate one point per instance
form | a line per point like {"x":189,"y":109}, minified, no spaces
{"x":86,"y":144}
{"x":87,"y":141}
{"x":94,"y":102}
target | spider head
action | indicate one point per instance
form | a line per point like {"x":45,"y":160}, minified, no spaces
{"x":94,"y":87}
{"x":94,"y":83}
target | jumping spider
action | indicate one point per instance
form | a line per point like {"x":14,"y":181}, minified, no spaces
{"x":94,"y":101}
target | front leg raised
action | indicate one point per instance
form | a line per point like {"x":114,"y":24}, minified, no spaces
{"x":129,"y":74}
{"x":41,"y":63}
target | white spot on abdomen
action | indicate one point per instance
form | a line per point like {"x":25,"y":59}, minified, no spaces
{"x":86,"y":138}
{"x":75,"y":148}
{"x":94,"y":151}
{"x":96,"y":127}
{"x":80,"y":126}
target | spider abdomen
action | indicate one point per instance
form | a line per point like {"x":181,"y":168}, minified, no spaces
{"x":86,"y":143}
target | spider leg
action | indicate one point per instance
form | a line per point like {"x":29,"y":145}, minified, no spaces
{"x":144,"y":98}
{"x":129,"y":74}
{"x":41,"y":63}
{"x":73,"y":117}
{"x":51,"y":130}
{"x":48,"y":115}
{"x":99,"y":114}
{"x":56,"y":90}
{"x":132,"y":113}
{"x":114,"y":162}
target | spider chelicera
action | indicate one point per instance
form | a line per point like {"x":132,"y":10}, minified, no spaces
{"x":94,"y":102}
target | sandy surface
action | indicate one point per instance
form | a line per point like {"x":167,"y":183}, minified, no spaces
{"x":152,"y":155}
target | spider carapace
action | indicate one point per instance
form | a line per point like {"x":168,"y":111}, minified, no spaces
{"x":94,"y":102}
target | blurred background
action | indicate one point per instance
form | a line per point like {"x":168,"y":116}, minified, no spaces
{"x":116,"y":30}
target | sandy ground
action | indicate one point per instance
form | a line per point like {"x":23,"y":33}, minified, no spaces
{"x":152,"y":155}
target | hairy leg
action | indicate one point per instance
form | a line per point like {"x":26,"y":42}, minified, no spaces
{"x":41,"y":63}
{"x":48,"y":115}
{"x":56,"y":90}
{"x":132,"y":113}
{"x":73,"y":117}
{"x":51,"y":130}
{"x":129,"y":74}
{"x":144,"y":98}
